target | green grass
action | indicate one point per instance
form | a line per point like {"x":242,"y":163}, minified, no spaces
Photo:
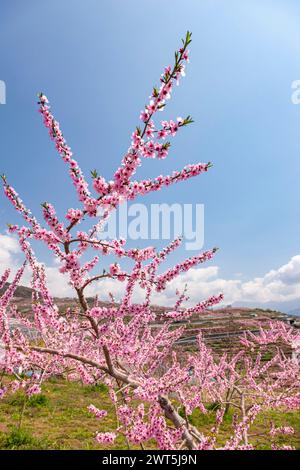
{"x":21,"y":439}
{"x":58,"y":419}
{"x":35,"y":401}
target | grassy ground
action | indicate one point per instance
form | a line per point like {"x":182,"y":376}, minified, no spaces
{"x":58,"y":419}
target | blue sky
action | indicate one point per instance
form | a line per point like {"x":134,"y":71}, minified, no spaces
{"x":97,"y":62}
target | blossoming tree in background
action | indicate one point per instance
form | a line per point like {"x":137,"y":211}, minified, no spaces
{"x":154,"y":389}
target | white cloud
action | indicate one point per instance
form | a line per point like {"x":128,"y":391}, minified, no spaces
{"x":9,"y":247}
{"x":58,"y":283}
{"x":277,"y":285}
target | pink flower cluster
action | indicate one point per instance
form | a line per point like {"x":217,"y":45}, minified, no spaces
{"x":4,"y":278}
{"x":66,"y":154}
{"x":106,"y":437}
{"x":199,"y":308}
{"x":282,"y":430}
{"x":33,"y":390}
{"x":74,"y":215}
{"x":98,"y":413}
{"x":182,"y":267}
{"x":53,"y":222}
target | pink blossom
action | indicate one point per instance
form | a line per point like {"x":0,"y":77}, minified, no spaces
{"x":106,"y":437}
{"x":114,"y":269}
{"x":33,"y":390}
{"x":98,"y":413}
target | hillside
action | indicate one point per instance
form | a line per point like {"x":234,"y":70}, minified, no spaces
{"x":222,"y":328}
{"x":295,"y":312}
{"x":22,"y":292}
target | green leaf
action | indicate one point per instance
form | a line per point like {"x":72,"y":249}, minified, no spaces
{"x":187,"y":120}
{"x":166,"y":145}
{"x":94,"y":173}
{"x":155,"y":92}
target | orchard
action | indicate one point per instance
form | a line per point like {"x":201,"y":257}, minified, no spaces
{"x":154,"y":387}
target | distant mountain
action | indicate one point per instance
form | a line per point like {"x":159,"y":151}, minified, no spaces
{"x":295,"y":311}
{"x":20,"y":292}
{"x":23,"y":295}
